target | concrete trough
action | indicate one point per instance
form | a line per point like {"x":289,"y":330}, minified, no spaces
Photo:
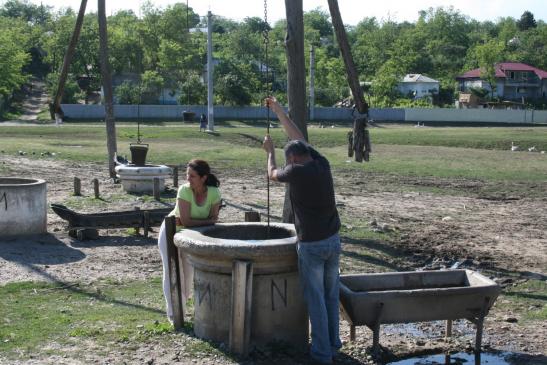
{"x":23,"y":206}
{"x":246,"y":286}
{"x":140,"y":179}
{"x":405,"y":297}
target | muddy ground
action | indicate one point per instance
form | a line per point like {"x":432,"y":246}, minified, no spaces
{"x":429,"y":223}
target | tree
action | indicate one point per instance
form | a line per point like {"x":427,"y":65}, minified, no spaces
{"x":526,"y":21}
{"x":193,"y":85}
{"x":13,"y":57}
{"x":151,"y":85}
{"x":35,"y":14}
{"x":124,"y":43}
{"x":235,"y":83}
{"x":128,"y":93}
{"x":488,"y":55}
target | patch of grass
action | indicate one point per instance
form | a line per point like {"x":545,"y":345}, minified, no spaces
{"x":447,"y":152}
{"x":199,"y":348}
{"x":44,"y":115}
{"x":34,"y":314}
{"x":367,"y":250}
{"x":529,"y":299}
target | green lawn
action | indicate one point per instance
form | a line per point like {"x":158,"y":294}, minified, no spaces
{"x":466,"y":152}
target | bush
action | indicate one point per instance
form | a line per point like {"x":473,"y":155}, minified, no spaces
{"x":71,"y":93}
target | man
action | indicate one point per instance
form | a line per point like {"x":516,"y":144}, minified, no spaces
{"x":317,"y":223}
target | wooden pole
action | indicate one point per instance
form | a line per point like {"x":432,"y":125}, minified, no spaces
{"x":157,"y":188}
{"x":296,"y":67}
{"x":240,"y":324}
{"x":107,"y":90}
{"x":351,"y":70}
{"x":96,"y":188}
{"x":360,"y":139}
{"x":448,"y":329}
{"x":176,"y":176}
{"x":145,"y":223}
{"x":77,"y":186}
{"x":63,"y":74}
{"x":174,"y":274}
{"x":296,"y":80}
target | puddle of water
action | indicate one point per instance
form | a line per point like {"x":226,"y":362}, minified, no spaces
{"x":461,"y":359}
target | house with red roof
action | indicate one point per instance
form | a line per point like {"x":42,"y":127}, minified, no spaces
{"x":514,"y":81}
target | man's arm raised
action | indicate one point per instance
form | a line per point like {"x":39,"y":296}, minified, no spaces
{"x":288,"y":125}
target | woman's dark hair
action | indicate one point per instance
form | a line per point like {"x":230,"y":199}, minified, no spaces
{"x":202,"y":168}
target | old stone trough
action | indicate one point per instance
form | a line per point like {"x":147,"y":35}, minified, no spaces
{"x":140,"y":179}
{"x":246,"y":287}
{"x":23,"y":206}
{"x":405,"y":297}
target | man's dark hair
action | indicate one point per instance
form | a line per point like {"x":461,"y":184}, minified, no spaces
{"x":296,"y":147}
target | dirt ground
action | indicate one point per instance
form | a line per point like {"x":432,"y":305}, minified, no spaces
{"x":502,"y":234}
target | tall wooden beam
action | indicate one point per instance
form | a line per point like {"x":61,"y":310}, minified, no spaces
{"x":351,"y":70}
{"x":56,"y":107}
{"x":107,"y":90}
{"x":296,"y":80}
{"x":359,"y":140}
{"x":296,"y":68}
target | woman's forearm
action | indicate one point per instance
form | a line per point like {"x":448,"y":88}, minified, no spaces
{"x":190,"y":222}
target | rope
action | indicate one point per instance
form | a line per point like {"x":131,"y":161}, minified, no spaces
{"x":266,"y":34}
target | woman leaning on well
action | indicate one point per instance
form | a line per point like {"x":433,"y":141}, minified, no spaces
{"x":198,"y":204}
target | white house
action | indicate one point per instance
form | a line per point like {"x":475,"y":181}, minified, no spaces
{"x":418,"y":86}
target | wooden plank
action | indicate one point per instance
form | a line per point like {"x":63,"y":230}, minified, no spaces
{"x":174,"y":274}
{"x":240,"y":323}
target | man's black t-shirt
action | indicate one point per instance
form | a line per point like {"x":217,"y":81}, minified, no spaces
{"x":312,"y":196}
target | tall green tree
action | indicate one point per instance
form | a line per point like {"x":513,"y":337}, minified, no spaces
{"x":526,"y":21}
{"x":488,"y":55}
{"x":13,"y":56}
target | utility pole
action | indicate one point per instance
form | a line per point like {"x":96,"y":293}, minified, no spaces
{"x":210,"y":107}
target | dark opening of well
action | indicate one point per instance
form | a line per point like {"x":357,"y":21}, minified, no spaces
{"x":16,"y":181}
{"x":248,"y":232}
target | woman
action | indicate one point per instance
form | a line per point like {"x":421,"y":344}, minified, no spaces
{"x":198,"y":204}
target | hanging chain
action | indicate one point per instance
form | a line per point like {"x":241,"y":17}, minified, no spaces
{"x":265,"y":66}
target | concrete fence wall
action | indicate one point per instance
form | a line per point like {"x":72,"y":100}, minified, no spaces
{"x":476,"y":116}
{"x":221,"y":113}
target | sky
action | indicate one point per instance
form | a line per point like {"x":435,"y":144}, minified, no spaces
{"x":352,"y":11}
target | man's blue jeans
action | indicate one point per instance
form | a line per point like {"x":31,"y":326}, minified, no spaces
{"x":318,"y":264}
